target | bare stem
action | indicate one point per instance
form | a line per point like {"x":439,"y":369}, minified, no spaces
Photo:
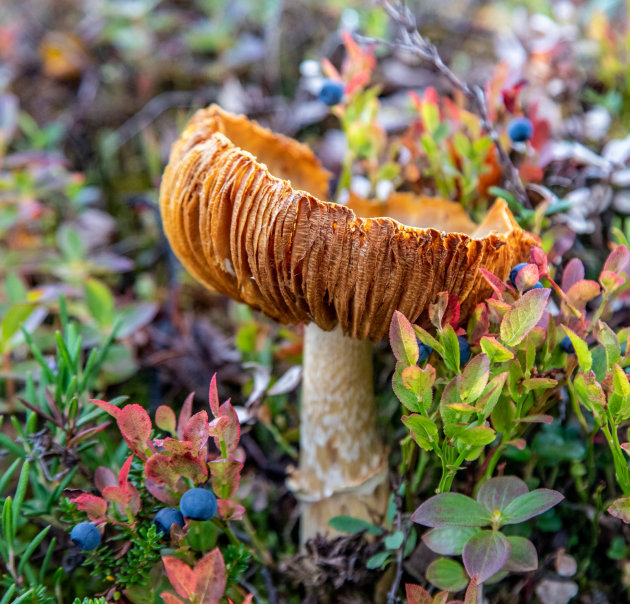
{"x":411,"y":40}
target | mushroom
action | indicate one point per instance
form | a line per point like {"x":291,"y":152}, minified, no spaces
{"x":241,"y":208}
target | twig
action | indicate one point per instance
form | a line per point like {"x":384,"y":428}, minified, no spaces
{"x":402,"y":524}
{"x":412,"y":41}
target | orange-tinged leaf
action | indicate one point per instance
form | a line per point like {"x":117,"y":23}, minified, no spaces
{"x":181,"y":576}
{"x":197,"y":431}
{"x":618,"y":259}
{"x":214,"y":396}
{"x":185,"y":413}
{"x":95,"y":507}
{"x":170,"y":598}
{"x":231,"y":434}
{"x":105,"y":406}
{"x":403,"y":340}
{"x":581,"y":292}
{"x":158,"y":469}
{"x":165,"y":419}
{"x":209,"y":574}
{"x":189,"y":466}
{"x":135,"y":427}
{"x":229,"y":509}
{"x":417,"y":594}
{"x":226,"y":475}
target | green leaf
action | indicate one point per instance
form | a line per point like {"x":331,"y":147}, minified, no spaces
{"x":449,"y":540}
{"x":529,"y":505}
{"x":474,"y":378}
{"x":581,"y":350}
{"x":100,"y":302}
{"x":497,"y":353}
{"x":451,"y":349}
{"x":32,"y":546}
{"x":422,"y":429}
{"x":428,"y":340}
{"x":447,"y":574}
{"x":403,"y":340}
{"x":13,"y":320}
{"x":395,"y":540}
{"x":349,"y":524}
{"x":491,"y":394}
{"x":451,"y":509}
{"x":377,"y":560}
{"x":20,"y":493}
{"x":477,"y":436}
{"x":523,"y":316}
{"x":408,"y":398}
{"x":609,"y":340}
{"x":420,"y":382}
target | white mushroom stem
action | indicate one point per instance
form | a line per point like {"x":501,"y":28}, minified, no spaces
{"x":343,"y":463}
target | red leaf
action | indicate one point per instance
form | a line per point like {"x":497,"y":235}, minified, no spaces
{"x":417,"y":594}
{"x":209,"y":573}
{"x":184,"y":415}
{"x":451,"y":315}
{"x":198,"y":432}
{"x":135,"y":427}
{"x":161,"y":492}
{"x":181,"y":576}
{"x":573,"y":272}
{"x":117,"y":495}
{"x":95,"y":507}
{"x":108,"y":407}
{"x":495,"y":283}
{"x":214,"y":396}
{"x":124,"y":472}
{"x":165,"y":419}
{"x":478,"y":323}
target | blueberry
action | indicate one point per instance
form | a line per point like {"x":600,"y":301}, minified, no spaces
{"x":567,"y":345}
{"x":425,"y":351}
{"x":537,"y":285}
{"x":166,"y":518}
{"x":198,"y":504}
{"x":331,"y":93}
{"x":520,"y":129}
{"x":85,"y":535}
{"x":515,"y":272}
{"x":464,"y":350}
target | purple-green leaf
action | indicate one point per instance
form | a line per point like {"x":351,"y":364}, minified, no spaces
{"x":497,"y":492}
{"x":529,"y":505}
{"x":523,"y":316}
{"x":451,"y":509}
{"x":620,"y":508}
{"x":523,"y":556}
{"x":403,"y":340}
{"x":449,"y":540}
{"x":447,"y":574}
{"x":485,"y":554}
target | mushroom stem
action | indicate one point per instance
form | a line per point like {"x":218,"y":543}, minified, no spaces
{"x":343,"y":462}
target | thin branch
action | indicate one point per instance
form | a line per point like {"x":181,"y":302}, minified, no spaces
{"x":412,"y":41}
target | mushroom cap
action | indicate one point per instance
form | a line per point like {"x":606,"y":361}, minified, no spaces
{"x":259,"y":233}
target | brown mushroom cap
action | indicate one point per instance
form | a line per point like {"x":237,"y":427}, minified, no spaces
{"x":241,"y":229}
